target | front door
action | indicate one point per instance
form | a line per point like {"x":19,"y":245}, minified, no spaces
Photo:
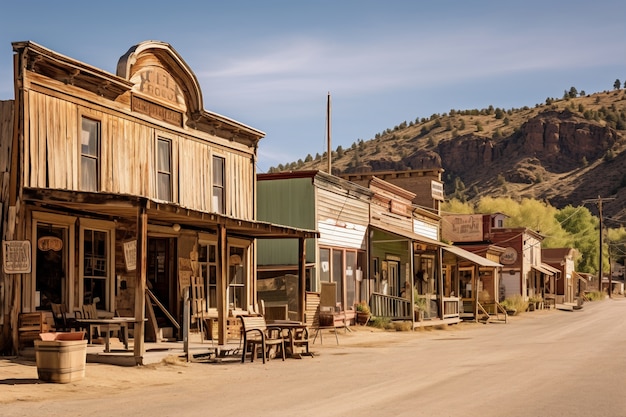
{"x":51,"y":266}
{"x":394,"y":278}
{"x":161,"y":277}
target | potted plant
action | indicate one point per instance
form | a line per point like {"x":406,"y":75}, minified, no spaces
{"x":535,"y":303}
{"x":363,"y":313}
{"x":420,"y":306}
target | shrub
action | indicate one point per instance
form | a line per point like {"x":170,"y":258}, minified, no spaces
{"x":516,"y":303}
{"x":596,"y":295}
{"x":380,"y":322}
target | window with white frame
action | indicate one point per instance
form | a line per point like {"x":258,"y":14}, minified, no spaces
{"x":237,"y":278}
{"x":89,"y":155}
{"x":95,"y":271}
{"x":207,"y":268}
{"x":164,"y":169}
{"x":219,"y":194}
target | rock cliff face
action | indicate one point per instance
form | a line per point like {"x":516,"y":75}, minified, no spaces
{"x":558,"y":141}
{"x":556,"y":156}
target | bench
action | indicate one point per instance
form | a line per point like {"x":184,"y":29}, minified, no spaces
{"x":256,"y":333}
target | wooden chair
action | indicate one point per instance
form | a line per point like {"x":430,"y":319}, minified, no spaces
{"x":330,"y":317}
{"x":62,"y":323}
{"x":255,"y":333}
{"x":90,"y":312}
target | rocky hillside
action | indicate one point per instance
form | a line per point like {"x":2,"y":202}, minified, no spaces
{"x":564,"y":151}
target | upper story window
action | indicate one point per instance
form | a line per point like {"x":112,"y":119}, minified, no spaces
{"x":89,"y":155}
{"x":164,"y":169}
{"x":219,"y":205}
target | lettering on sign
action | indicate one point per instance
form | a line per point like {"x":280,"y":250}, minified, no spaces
{"x":157,"y":111}
{"x":16,"y":256}
{"x":398,"y":208}
{"x":463,"y":228}
{"x":47,"y":243}
{"x":130,"y":255}
{"x":158,"y":83}
{"x":509,"y":257}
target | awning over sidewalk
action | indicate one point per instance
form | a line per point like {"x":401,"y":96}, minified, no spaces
{"x":472,"y":257}
{"x":407,"y":234}
{"x":545,"y":269}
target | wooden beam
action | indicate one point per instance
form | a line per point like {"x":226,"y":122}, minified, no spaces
{"x":302,"y":275}
{"x":222,"y":282}
{"x":140,"y":289}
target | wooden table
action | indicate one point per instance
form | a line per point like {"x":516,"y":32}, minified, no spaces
{"x":292,"y":328}
{"x":107,"y":325}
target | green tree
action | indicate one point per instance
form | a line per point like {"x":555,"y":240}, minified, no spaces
{"x":456,"y":206}
{"x":582,"y":228}
{"x":617,"y":84}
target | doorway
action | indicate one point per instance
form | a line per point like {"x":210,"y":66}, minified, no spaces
{"x":51,"y":264}
{"x":161,"y":273}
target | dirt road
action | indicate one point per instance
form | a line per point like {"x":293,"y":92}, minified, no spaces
{"x":547,"y":363}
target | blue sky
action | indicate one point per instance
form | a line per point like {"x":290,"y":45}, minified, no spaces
{"x":271,"y":64}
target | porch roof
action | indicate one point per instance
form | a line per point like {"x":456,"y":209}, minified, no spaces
{"x":472,"y":257}
{"x":545,"y":269}
{"x":122,"y":206}
{"x":407,"y":234}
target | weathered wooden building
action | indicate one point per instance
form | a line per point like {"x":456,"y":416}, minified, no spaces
{"x":374,"y":243}
{"x":523,"y":272}
{"x":118,"y":188}
{"x":567,"y":286}
{"x":338,"y":209}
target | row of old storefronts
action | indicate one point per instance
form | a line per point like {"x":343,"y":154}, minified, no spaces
{"x":121,"y":191}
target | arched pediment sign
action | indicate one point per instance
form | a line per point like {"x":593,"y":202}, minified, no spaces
{"x":163,"y":84}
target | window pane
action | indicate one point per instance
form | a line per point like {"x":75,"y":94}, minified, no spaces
{"x":95,"y":267}
{"x":164,"y":156}
{"x":218,"y":200}
{"x":89,"y":139}
{"x":324,"y":265}
{"x":351,"y":279}
{"x":164,"y":191}
{"x":164,"y":170}
{"x":218,"y":185}
{"x":89,"y":149}
{"x":218,"y":171}
{"x":338,"y":273}
{"x":237,"y":278}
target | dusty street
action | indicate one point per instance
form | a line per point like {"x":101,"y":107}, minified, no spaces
{"x":547,"y":363}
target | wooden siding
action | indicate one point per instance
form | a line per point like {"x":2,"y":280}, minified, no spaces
{"x":288,"y":202}
{"x":128,"y":158}
{"x":353,"y":237}
{"x":341,"y":208}
{"x":380,"y":215}
{"x":426,"y":229}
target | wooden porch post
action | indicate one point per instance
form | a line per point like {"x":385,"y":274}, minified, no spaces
{"x":412,"y":281}
{"x":441,"y":283}
{"x":475,"y":291}
{"x":222,"y":280}
{"x":140,"y":289}
{"x":302,"y":274}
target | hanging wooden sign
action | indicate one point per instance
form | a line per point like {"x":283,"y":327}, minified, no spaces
{"x":47,"y":243}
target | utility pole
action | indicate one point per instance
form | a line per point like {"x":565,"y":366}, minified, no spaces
{"x":329,"y":150}
{"x":600,"y":201}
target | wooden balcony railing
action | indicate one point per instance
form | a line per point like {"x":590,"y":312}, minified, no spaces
{"x":397,"y":308}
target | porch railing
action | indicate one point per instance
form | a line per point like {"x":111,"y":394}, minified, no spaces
{"x":451,"y":307}
{"x":397,"y":308}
